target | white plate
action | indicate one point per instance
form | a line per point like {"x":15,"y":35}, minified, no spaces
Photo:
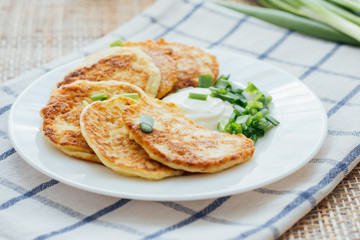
{"x":282,"y":151}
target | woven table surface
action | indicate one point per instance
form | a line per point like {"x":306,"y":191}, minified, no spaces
{"x":35,"y":32}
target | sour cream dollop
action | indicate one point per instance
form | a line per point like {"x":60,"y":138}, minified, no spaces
{"x":204,"y":113}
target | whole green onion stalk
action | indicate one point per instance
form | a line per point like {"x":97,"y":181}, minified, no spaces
{"x":334,"y":20}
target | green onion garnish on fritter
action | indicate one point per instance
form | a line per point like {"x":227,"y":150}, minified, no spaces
{"x":146,"y":123}
{"x":117,"y":43}
{"x":99,"y":96}
{"x":134,"y":96}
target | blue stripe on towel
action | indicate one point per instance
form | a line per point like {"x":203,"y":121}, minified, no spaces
{"x":5,"y":109}
{"x":210,"y":208}
{"x":68,"y":211}
{"x":344,"y":133}
{"x":6,"y":154}
{"x":324,"y":160}
{"x":341,"y":103}
{"x":328,"y":178}
{"x":152,"y":19}
{"x":237,"y":25}
{"x":28,"y":194}
{"x":182,"y":209}
{"x":8,"y":91}
{"x":276,"y":45}
{"x":86,"y":220}
{"x":196,"y":7}
{"x":322,"y":61}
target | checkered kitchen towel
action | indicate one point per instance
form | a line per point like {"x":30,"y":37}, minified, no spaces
{"x":33,"y":206}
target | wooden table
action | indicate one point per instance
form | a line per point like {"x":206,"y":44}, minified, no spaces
{"x":34,"y":32}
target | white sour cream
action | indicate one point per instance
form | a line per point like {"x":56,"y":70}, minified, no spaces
{"x":204,"y":113}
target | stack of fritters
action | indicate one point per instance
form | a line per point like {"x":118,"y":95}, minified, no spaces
{"x":108,"y":131}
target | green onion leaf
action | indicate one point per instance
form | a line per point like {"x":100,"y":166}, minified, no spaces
{"x":117,"y":43}
{"x":146,"y":123}
{"x":205,"y":81}
{"x":298,"y":23}
{"x":198,"y":96}
{"x":99,"y":96}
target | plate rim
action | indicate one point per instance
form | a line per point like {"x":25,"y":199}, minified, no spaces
{"x":201,"y":196}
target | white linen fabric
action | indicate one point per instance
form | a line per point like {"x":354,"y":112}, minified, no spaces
{"x":34,"y":206}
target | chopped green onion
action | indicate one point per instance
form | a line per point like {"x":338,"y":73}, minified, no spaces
{"x":85,"y":103}
{"x":236,"y":128}
{"x":198,"y":96}
{"x":146,"y":123}
{"x":272,"y":120}
{"x":251,"y":88}
{"x":254,"y":138}
{"x":244,"y":119}
{"x":222,"y":91}
{"x":183,"y":89}
{"x":222,"y":76}
{"x":205,"y":81}
{"x":261,"y":124}
{"x":265,"y":111}
{"x":221,"y":125}
{"x":230,"y":97}
{"x":257,"y":116}
{"x":228,"y":127}
{"x":99,"y":96}
{"x":268,"y":99}
{"x":134,"y":96}
{"x":251,"y":114}
{"x":222,"y":84}
{"x":117,"y":43}
{"x":254,"y":104}
{"x":238,"y":110}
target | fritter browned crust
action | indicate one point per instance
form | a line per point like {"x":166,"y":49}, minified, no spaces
{"x":120,"y":64}
{"x":191,"y":62}
{"x":178,"y":143}
{"x":102,"y":127}
{"x":61,"y":116}
{"x":163,"y":59}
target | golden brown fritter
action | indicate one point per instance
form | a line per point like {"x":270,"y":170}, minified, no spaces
{"x":163,"y":59}
{"x":102,"y":127}
{"x":120,"y":64}
{"x":191,"y":62}
{"x":180,"y":144}
{"x":61,"y":115}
